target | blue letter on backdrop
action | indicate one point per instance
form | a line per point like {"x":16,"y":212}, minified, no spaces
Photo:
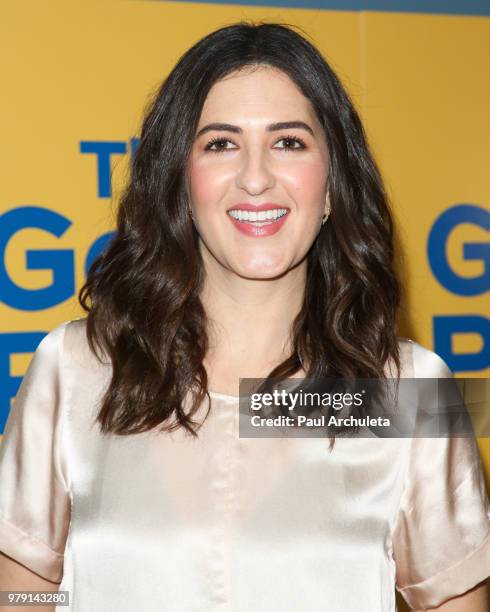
{"x":60,"y":262}
{"x":443,"y":226}
{"x":103,"y":150}
{"x":20,"y":342}
{"x":446,"y":326}
{"x":97,"y":248}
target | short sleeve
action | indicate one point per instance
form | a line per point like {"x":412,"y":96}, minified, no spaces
{"x":34,"y":496}
{"x":441,"y":539}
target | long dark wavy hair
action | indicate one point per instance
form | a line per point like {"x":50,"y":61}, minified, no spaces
{"x":142,"y":294}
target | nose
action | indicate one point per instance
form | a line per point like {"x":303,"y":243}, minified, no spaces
{"x":254,"y":174}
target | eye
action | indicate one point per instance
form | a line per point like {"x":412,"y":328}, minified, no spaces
{"x":292,"y":143}
{"x":218,"y":145}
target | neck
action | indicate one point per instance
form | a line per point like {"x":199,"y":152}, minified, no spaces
{"x":250,"y":320}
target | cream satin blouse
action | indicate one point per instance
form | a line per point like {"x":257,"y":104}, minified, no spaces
{"x":164,"y":522}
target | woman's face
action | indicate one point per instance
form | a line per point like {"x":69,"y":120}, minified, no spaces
{"x":259,"y":147}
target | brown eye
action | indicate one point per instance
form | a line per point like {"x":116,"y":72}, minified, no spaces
{"x":292,"y":143}
{"x":218,"y":145}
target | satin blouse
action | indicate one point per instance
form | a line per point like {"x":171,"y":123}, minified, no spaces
{"x":165,"y":522}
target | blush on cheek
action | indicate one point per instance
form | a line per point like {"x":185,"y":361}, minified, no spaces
{"x":207,"y":186}
{"x":200,"y":187}
{"x":308,"y":182}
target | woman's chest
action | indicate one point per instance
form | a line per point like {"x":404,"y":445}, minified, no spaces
{"x":254,"y":488}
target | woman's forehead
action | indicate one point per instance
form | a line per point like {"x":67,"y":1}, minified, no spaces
{"x":262,"y":93}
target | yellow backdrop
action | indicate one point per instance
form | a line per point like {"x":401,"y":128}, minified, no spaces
{"x":77,"y":76}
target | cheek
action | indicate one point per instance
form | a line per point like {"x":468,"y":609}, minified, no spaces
{"x":306,"y":182}
{"x":207,"y":184}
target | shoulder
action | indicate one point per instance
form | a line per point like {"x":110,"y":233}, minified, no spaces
{"x":418,"y":361}
{"x":427,"y":363}
{"x":68,"y":343}
{"x":51,"y":346}
{"x":55,"y":341}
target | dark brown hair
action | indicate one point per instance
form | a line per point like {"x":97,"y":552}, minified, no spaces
{"x":142,"y":293}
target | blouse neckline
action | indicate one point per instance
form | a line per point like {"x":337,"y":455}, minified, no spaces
{"x":224,"y":396}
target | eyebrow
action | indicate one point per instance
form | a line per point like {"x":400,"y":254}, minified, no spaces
{"x":272,"y":127}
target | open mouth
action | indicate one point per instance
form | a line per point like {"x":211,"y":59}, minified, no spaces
{"x":260,"y":218}
{"x":259,"y":223}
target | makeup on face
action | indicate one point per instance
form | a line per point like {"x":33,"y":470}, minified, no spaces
{"x":258,"y":220}
{"x":257,"y":174}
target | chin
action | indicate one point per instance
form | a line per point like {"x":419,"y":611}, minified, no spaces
{"x":270,"y":270}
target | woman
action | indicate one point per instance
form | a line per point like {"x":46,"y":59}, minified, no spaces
{"x":254,"y":238}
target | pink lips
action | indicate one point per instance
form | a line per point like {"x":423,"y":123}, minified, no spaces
{"x":258,"y":231}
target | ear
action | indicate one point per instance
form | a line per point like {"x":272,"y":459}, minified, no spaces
{"x":327,"y":197}
{"x":328,"y":206}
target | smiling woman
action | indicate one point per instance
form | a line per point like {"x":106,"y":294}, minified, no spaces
{"x":254,"y":239}
{"x":280,"y":167}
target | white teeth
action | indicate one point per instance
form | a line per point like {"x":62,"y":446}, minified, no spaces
{"x":262,"y":215}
